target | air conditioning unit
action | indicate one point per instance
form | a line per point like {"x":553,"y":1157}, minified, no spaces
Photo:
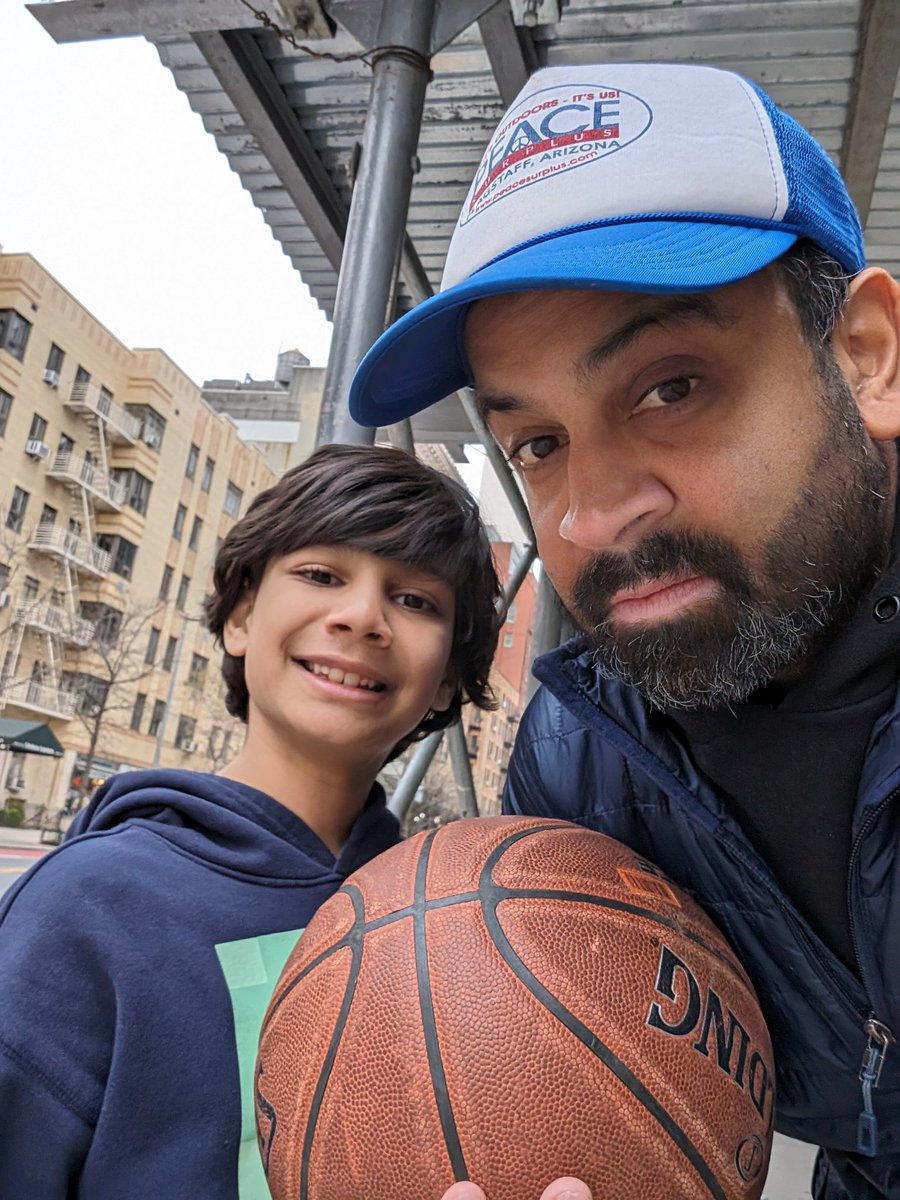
{"x":5,"y":599}
{"x":51,"y":377}
{"x":37,"y":449}
{"x":151,"y":437}
{"x":189,"y":747}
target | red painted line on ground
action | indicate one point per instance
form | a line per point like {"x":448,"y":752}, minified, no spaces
{"x":25,"y":852}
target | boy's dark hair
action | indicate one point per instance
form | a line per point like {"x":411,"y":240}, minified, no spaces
{"x":388,"y":503}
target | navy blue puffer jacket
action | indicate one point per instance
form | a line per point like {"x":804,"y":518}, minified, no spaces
{"x":590,"y":751}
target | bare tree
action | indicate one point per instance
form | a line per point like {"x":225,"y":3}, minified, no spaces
{"x":105,"y":675}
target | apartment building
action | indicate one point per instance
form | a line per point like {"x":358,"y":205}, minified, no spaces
{"x":117,"y":483}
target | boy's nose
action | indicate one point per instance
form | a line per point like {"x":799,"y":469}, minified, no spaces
{"x":362,"y":612}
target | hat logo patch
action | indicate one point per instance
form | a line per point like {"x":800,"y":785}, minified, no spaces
{"x":551,"y":131}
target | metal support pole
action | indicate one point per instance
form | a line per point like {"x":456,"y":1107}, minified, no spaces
{"x":547,"y":625}
{"x":416,"y":768}
{"x":518,"y":573}
{"x":462,"y":770}
{"x":498,"y":462}
{"x":378,"y":210}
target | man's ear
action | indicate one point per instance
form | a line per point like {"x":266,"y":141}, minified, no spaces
{"x":235,"y":632}
{"x":866,"y":345}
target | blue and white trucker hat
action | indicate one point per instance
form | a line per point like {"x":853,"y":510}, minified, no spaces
{"x":645,"y":177}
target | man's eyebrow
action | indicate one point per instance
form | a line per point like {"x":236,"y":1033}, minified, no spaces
{"x":698,"y":308}
{"x":487,"y":403}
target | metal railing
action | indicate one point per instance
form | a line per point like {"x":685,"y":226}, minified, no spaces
{"x":48,"y":618}
{"x":91,"y":398}
{"x":42,"y":697}
{"x":76,"y":550}
{"x":70,"y":467}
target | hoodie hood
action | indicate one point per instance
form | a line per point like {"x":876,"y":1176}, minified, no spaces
{"x":231,"y":826}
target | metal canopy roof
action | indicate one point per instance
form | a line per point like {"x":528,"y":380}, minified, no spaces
{"x":290,"y":124}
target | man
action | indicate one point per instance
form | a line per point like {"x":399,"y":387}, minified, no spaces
{"x":657,"y":288}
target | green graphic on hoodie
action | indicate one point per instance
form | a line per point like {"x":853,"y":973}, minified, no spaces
{"x":251,"y":968}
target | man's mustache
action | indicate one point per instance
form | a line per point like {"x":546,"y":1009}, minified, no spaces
{"x":661,"y":555}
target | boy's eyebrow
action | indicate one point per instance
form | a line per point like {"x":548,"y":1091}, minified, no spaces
{"x":698,"y":308}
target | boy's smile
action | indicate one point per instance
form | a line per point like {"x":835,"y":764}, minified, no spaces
{"x":343,"y":651}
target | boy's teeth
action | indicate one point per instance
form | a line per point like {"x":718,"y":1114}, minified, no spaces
{"x":347,"y":678}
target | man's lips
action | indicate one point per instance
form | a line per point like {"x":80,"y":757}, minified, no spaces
{"x":660,"y":598}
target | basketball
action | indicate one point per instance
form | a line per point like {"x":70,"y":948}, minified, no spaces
{"x":510,"y":1000}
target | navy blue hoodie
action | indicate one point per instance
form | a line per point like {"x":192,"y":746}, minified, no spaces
{"x":118,"y":1066}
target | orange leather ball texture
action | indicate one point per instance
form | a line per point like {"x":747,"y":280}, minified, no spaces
{"x":510,"y":1000}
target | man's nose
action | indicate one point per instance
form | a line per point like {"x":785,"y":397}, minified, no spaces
{"x":612,"y":500}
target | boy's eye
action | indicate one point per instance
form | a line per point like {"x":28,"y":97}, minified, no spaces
{"x":319,"y":575}
{"x":415,"y":602}
{"x":668,"y":393}
{"x":534,"y":450}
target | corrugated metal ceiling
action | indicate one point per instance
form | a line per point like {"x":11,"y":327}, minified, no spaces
{"x":809,"y":54}
{"x":804,"y":52}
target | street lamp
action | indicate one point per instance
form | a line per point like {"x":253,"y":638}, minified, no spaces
{"x":176,"y":659}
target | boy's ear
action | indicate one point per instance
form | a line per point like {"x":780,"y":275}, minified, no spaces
{"x":866,"y":345}
{"x":236,"y":629}
{"x":443,"y":697}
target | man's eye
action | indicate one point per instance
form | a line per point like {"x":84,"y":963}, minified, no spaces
{"x":669,"y":392}
{"x":534,"y":450}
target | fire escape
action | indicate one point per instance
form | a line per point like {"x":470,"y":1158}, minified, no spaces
{"x":57,"y":623}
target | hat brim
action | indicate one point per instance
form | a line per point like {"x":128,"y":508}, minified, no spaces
{"x":421,"y":359}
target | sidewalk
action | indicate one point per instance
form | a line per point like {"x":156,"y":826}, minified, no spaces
{"x":21,"y":839}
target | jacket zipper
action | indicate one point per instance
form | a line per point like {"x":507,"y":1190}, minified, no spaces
{"x":878,"y":1036}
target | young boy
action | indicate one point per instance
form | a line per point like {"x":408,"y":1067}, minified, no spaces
{"x":356,"y":603}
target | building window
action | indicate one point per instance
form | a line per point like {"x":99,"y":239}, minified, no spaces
{"x":156,"y":717}
{"x":152,"y":646}
{"x":507,"y":640}
{"x":153,"y":426}
{"x":48,"y":516}
{"x":206,"y":479}
{"x":14,"y":331}
{"x":233,"y":498}
{"x":169,"y":656}
{"x":92,"y":691}
{"x":30,"y":587}
{"x":511,"y":613}
{"x":5,"y":406}
{"x":193,"y":458}
{"x":165,"y":585}
{"x":195,"y":534}
{"x":198,"y":670}
{"x":38,"y":430}
{"x":55,"y":358}
{"x":137,"y":488}
{"x":82,"y":376}
{"x":107,"y":621}
{"x":137,"y":713}
{"x":122,"y":553}
{"x":66,"y":444}
{"x":184,"y":735}
{"x":17,"y":506}
{"x":105,"y":399}
{"x":181,"y":598}
{"x":178,"y":527}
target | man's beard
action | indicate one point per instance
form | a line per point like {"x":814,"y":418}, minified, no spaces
{"x":822,"y":558}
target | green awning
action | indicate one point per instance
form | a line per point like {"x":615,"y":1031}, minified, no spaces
{"x":28,"y":737}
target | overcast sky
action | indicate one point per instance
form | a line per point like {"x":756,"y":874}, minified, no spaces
{"x":109,"y":179}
